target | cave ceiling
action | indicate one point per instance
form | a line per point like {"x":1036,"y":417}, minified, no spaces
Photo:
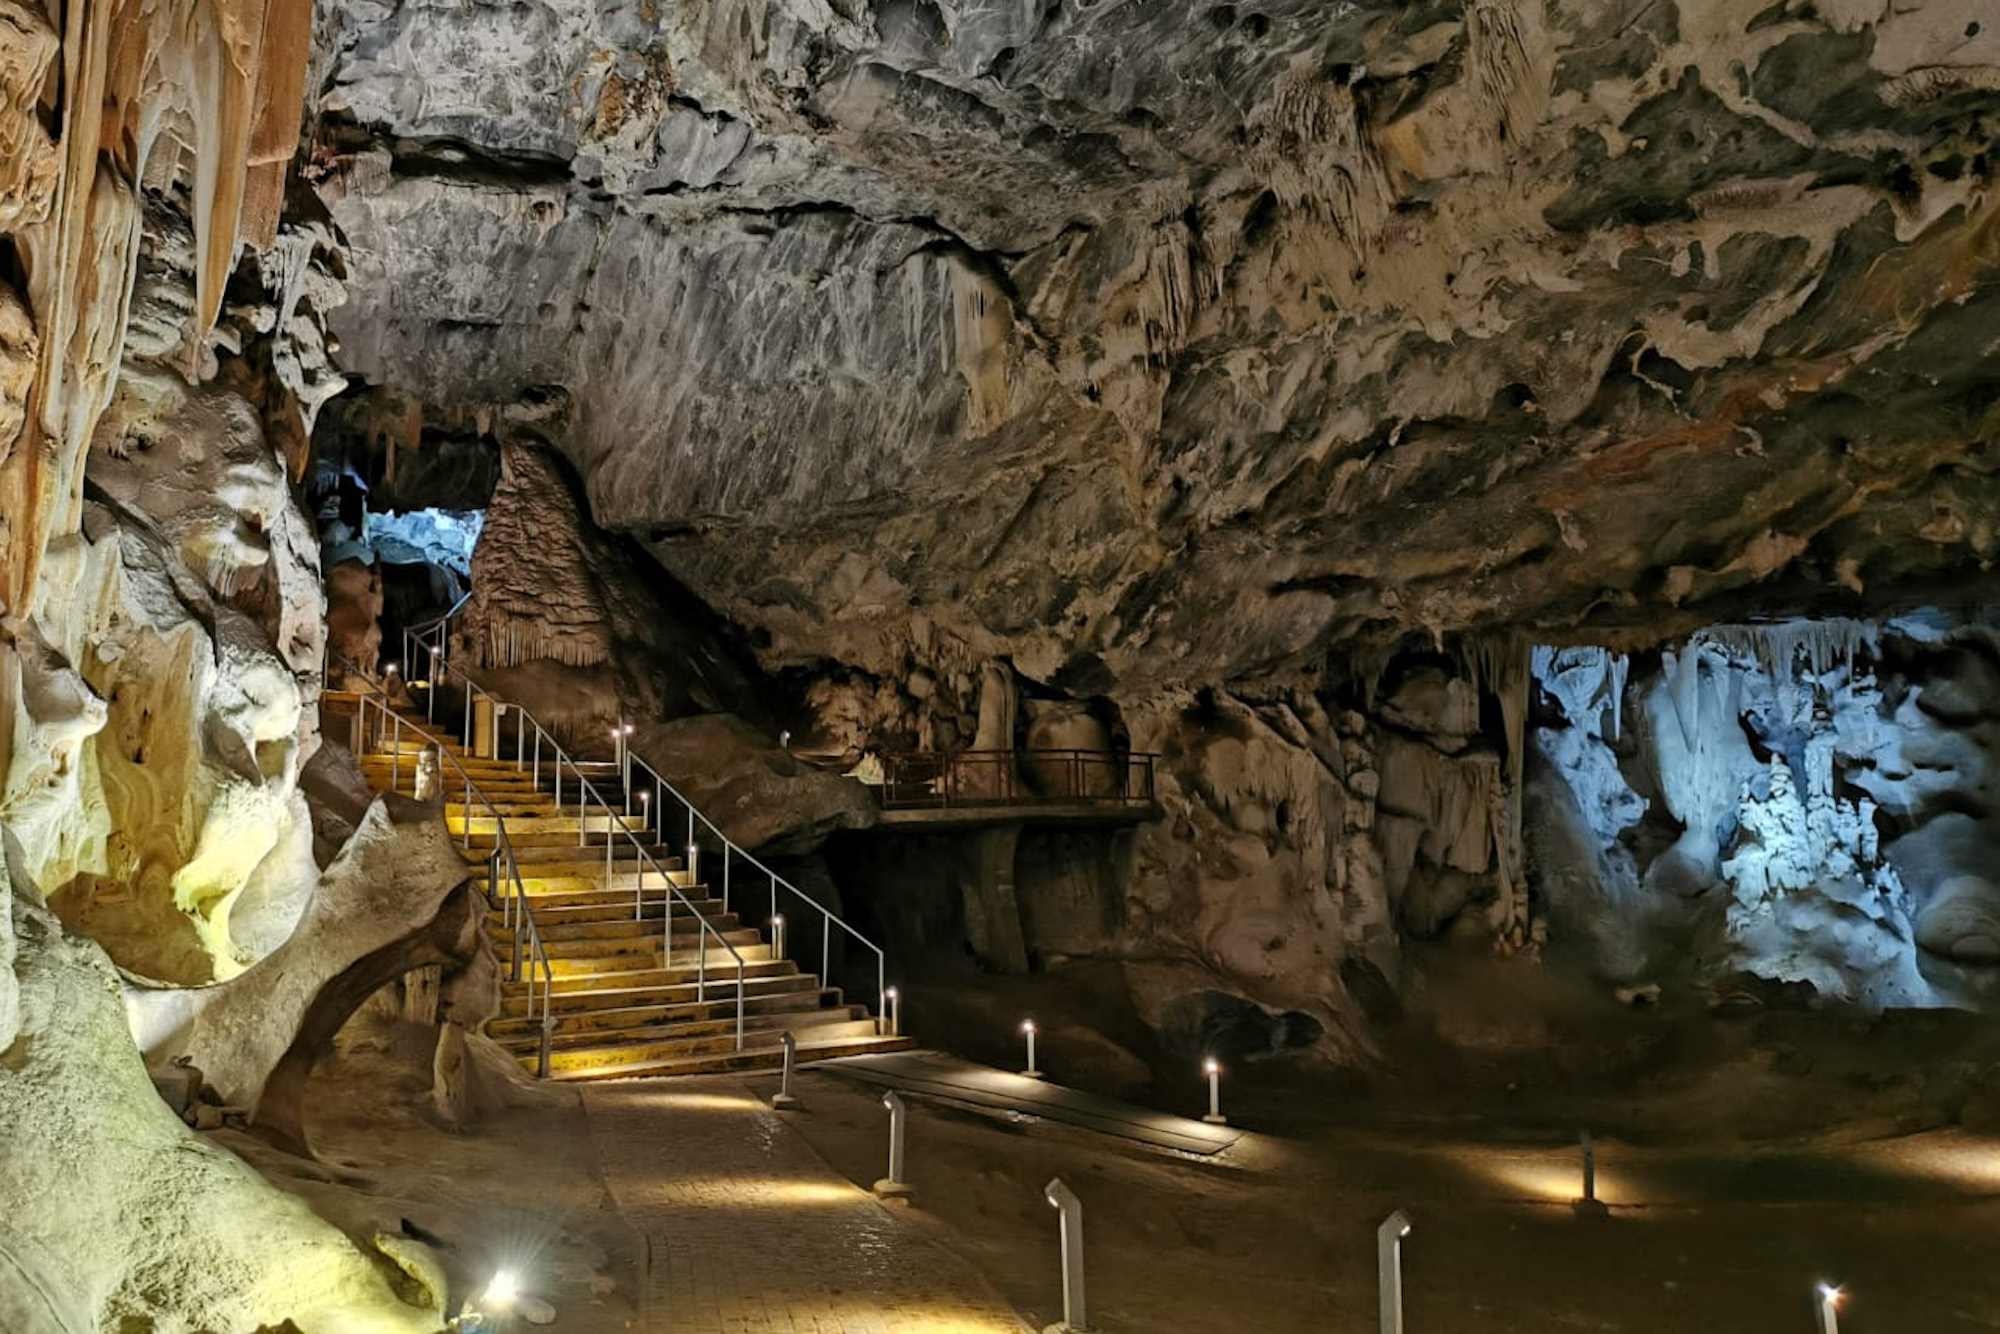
{"x":1151,"y":342}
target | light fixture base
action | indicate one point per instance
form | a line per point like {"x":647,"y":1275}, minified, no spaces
{"x":785,"y":1102}
{"x":1216,"y":1119}
{"x":1591,"y":1209}
{"x":893,"y":1192}
{"x":1031,"y":1074}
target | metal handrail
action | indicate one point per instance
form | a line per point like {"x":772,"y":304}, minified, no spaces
{"x":515,"y":911}
{"x":829,"y":918}
{"x":419,"y":636}
{"x":586,"y":795}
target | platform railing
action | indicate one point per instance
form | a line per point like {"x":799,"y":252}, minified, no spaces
{"x":949,"y":779}
{"x":503,"y":867}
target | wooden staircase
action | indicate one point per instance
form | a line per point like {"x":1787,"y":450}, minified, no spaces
{"x":624,"y":1002}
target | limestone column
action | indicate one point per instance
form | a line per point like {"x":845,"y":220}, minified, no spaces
{"x":992,"y":910}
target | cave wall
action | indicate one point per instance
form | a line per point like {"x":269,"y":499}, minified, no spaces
{"x":1803,"y":802}
{"x":162,"y":359}
{"x":1167,"y":344}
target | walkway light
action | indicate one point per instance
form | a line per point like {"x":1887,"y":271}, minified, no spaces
{"x":1213,"y":1069}
{"x":1589,"y":1205}
{"x":784,"y":1100}
{"x":893,"y":1187}
{"x":777,"y":935}
{"x":1829,"y":1308}
{"x":1389,"y":1269}
{"x":1028,"y":1027}
{"x":1075,"y":1319}
{"x":893,"y":1000}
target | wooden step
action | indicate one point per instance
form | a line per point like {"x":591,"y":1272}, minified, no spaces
{"x":649,"y":973}
{"x":754,"y":1056}
{"x":514,"y":1006}
{"x":831,"y":1025}
{"x":635,"y":960}
{"x":616,"y":900}
{"x":618,"y":934}
{"x":655,"y":1026}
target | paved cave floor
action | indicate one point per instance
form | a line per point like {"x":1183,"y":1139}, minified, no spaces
{"x":1744,"y":1159}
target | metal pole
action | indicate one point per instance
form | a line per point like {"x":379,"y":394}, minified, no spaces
{"x":892,"y":1186}
{"x":1213,"y":1069}
{"x":893,"y":1000}
{"x":1828,"y":1308}
{"x":784,"y":1100}
{"x":777,"y":936}
{"x":466,"y":816}
{"x":1389,"y":1268}
{"x":1028,"y":1027}
{"x":1589,"y":1169}
{"x":1069,"y":1209}
{"x":396,"y":755}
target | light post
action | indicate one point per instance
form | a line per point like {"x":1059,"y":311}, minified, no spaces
{"x":777,"y":935}
{"x":893,"y":999}
{"x":1589,"y":1206}
{"x":784,"y":1100}
{"x":1828,"y":1308}
{"x":1028,"y":1027}
{"x":1069,"y":1209}
{"x":892,"y":1187}
{"x":1213,"y":1069}
{"x":1389,"y":1269}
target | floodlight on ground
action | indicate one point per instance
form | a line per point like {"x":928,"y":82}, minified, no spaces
{"x":1389,"y":1269}
{"x":1070,"y":1213}
{"x":501,"y":1291}
{"x":1213,"y":1069}
{"x":784,"y":1100}
{"x":1028,"y":1028}
{"x":1828,"y":1308}
{"x":893,"y":1186}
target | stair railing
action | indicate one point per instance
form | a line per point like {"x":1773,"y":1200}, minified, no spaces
{"x":503,"y":867}
{"x":615,"y":823}
{"x":430,"y":638}
{"x":731,"y":850}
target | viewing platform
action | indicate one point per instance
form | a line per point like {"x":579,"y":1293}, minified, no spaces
{"x":924,"y":791}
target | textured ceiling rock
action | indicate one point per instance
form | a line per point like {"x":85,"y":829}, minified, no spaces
{"x":1166,"y":342}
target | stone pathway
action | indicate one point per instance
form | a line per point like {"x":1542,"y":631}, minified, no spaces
{"x":750,"y":1232}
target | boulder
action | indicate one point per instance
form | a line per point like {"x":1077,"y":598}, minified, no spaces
{"x":758,"y":793}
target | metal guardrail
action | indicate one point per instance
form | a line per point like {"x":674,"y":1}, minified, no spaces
{"x":429,"y":642}
{"x":935,"y":780}
{"x":733,"y":854}
{"x":438,"y":668}
{"x":503,"y":867}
